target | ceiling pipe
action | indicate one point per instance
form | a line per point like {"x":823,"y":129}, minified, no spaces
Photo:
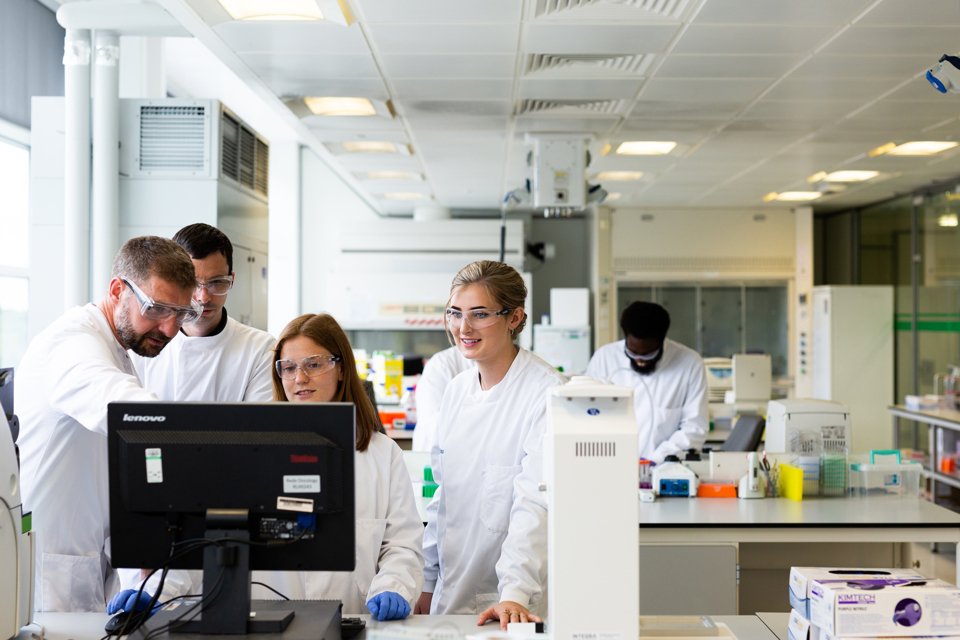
{"x":76,"y":167}
{"x":105,"y":219}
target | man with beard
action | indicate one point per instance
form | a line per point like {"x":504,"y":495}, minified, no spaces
{"x":669,"y":381}
{"x":68,"y":375}
{"x":215,"y":358}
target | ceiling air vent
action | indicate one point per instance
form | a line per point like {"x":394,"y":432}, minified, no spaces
{"x":172,"y":138}
{"x":595,"y":449}
{"x":244,"y":157}
{"x":626,"y":64}
{"x":662,"y":8}
{"x":560,"y":107}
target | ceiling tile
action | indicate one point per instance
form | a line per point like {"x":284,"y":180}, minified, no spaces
{"x":831,"y":88}
{"x":302,"y":66}
{"x":426,"y":11}
{"x":933,"y":13}
{"x":445,"y":39}
{"x":689,"y":90}
{"x":808,"y":12}
{"x":857,"y":66}
{"x":441,"y":88}
{"x":367,"y":87}
{"x":292,"y":37}
{"x":557,"y":89}
{"x":898,"y":40}
{"x":740,"y":39}
{"x":725,"y":66}
{"x":449,"y":66}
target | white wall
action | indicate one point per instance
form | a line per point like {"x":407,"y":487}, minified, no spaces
{"x":325,"y":201}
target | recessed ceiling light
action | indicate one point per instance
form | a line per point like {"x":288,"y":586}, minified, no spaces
{"x":390,"y":175}
{"x":850,"y":176}
{"x":611,"y":197}
{"x":645,"y":147}
{"x":272,"y":9}
{"x":619,"y":175}
{"x":914,"y":148}
{"x":370,"y":146}
{"x":340,"y":106}
{"x":404,"y":195}
{"x":948,"y":220}
{"x":792,"y":196}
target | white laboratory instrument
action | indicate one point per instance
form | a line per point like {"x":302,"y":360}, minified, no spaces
{"x":590,"y":464}
{"x":751,"y":377}
{"x":672,"y":478}
{"x":751,"y":484}
{"x":566,"y":348}
{"x":16,"y":547}
{"x":719,"y":377}
{"x":806,"y":426}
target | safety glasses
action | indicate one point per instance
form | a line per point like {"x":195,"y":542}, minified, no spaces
{"x":311,"y":366}
{"x":476,"y":318}
{"x":217,"y":286}
{"x":646,"y":357}
{"x":158,"y":311}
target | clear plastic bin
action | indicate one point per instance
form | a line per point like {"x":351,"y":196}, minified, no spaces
{"x":886,"y":477}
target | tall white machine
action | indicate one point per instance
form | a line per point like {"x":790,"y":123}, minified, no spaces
{"x":16,"y":545}
{"x":852,"y":358}
{"x":590,"y":463}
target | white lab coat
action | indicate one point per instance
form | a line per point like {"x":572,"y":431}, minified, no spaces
{"x":484,"y":440}
{"x":437,"y":373}
{"x":69,"y":373}
{"x":389,"y":538}
{"x":233,"y":366}
{"x":670,"y":403}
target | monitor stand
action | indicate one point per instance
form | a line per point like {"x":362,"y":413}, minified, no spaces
{"x":226,"y":607}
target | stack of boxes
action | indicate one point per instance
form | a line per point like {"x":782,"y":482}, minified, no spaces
{"x":833,"y":604}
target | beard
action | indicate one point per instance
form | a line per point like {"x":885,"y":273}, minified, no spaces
{"x":137,"y":342}
{"x":648,"y":367}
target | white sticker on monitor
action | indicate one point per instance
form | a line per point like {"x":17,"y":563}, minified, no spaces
{"x":286,"y":503}
{"x":301,"y":484}
{"x":154,"y":465}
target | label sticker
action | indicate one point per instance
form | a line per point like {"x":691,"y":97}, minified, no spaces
{"x":286,"y":503}
{"x":154,"y":465}
{"x":301,"y":484}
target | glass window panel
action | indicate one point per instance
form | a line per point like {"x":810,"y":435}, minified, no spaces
{"x":681,"y":303}
{"x":420,"y":342}
{"x":14,"y":185}
{"x":721,"y":331}
{"x":13,"y":320}
{"x":766,"y":322}
{"x":627,"y":294}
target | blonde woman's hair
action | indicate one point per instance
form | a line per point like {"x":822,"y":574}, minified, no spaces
{"x":500,"y":280}
{"x":326,"y":332}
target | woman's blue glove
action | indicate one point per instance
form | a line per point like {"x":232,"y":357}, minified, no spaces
{"x":388,"y":605}
{"x":127,"y":600}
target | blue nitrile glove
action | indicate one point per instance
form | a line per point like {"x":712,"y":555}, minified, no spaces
{"x":127,"y":600}
{"x":388,"y":605}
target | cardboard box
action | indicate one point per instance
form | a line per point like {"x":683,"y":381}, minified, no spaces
{"x":885,"y":607}
{"x":801,"y":579}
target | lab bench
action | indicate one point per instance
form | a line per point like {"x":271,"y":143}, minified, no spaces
{"x":732,"y":533}
{"x":936,"y":433}
{"x":89,"y":626}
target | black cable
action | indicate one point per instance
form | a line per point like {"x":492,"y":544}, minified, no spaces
{"x":268,"y":587}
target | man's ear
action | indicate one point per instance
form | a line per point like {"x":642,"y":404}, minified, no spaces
{"x":115,"y":289}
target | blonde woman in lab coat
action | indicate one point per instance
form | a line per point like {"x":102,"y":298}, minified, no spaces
{"x":313,"y":362}
{"x":484,"y":547}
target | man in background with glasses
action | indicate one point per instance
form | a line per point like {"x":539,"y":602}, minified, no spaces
{"x":70,"y":372}
{"x":669,"y":381}
{"x":215,"y":358}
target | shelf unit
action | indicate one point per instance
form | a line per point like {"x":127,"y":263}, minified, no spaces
{"x":942,"y":437}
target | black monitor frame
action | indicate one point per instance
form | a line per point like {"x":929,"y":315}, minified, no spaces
{"x":223,"y":471}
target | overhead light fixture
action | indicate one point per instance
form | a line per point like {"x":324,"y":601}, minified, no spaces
{"x":619,"y":175}
{"x":404,"y":195}
{"x":948,"y":220}
{"x":645,"y":148}
{"x":390,"y":175}
{"x":339,"y":106}
{"x":913,"y":148}
{"x":283,"y":10}
{"x":843,"y":176}
{"x":612,"y":197}
{"x":374,"y":146}
{"x":792,"y":196}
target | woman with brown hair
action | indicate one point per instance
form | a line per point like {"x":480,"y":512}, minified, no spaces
{"x":313,"y":362}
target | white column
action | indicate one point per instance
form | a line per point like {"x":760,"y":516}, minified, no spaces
{"x":76,"y":178}
{"x":142,"y":71}
{"x":803,"y":290}
{"x":283,"y":281}
{"x":105,"y":221}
